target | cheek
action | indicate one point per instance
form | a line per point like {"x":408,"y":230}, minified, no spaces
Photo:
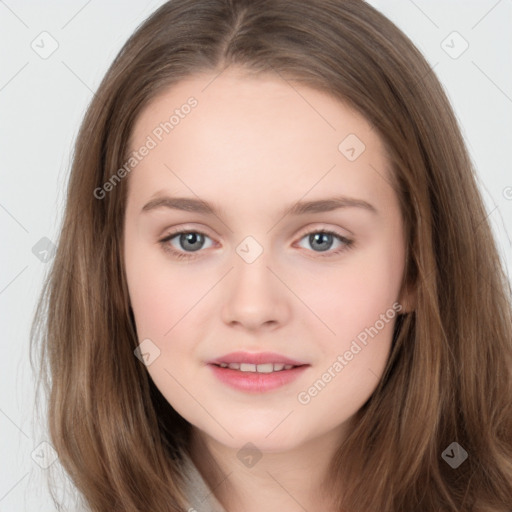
{"x":361,"y":308}
{"x":353,"y":296}
{"x":150,"y":302}
{"x":160,"y":293}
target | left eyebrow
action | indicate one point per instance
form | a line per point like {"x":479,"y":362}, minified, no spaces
{"x":190,"y":204}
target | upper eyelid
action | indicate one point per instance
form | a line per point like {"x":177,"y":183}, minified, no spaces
{"x":305,"y":232}
{"x":315,"y":228}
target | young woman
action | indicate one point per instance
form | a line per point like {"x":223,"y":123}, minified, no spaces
{"x":276,"y":287}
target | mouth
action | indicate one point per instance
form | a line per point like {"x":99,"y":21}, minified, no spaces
{"x":256,"y":372}
{"x":256,"y":378}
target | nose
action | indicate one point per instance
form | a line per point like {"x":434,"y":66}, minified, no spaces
{"x":254,"y":297}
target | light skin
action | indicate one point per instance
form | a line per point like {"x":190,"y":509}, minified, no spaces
{"x":254,"y":146}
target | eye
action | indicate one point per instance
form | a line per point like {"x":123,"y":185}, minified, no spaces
{"x":191,"y":241}
{"x":186,"y":240}
{"x":323,"y":239}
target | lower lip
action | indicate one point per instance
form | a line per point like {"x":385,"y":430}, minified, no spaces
{"x":256,"y":382}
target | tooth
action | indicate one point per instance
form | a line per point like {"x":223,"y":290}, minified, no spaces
{"x":259,"y":368}
{"x":246,"y":367}
{"x":265,"y":368}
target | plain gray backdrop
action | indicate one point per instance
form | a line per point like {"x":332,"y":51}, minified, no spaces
{"x":43,"y":98}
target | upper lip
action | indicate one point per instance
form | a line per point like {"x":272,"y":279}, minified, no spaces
{"x":255,"y":358}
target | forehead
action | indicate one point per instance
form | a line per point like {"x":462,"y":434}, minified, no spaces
{"x":254,"y":135}
{"x":249,"y":103}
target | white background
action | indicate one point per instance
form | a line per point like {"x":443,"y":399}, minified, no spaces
{"x":42,"y":102}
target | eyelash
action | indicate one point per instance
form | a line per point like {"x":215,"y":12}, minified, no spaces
{"x":348,"y":243}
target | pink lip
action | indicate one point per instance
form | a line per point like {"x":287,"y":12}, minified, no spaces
{"x":256,"y":382}
{"x":255,"y":358}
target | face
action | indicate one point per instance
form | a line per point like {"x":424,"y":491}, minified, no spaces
{"x":319,"y":285}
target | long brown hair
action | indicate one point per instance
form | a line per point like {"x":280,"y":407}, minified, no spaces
{"x":449,"y":374}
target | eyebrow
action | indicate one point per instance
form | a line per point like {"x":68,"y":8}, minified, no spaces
{"x":300,"y":208}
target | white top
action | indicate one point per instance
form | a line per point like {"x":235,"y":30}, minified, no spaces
{"x":199,"y":495}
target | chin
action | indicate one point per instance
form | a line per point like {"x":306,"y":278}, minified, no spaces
{"x":260,"y":438}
